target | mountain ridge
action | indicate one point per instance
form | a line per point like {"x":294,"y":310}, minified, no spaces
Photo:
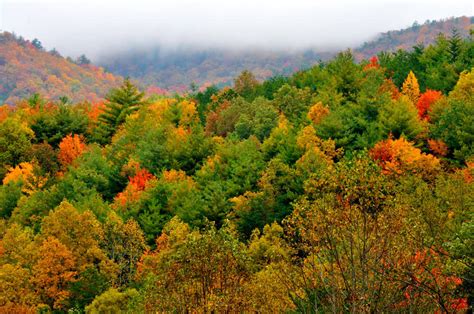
{"x":178,"y":70}
{"x":26,"y":69}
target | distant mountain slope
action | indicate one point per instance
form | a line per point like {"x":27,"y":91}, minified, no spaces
{"x":417,"y":34}
{"x":25,"y":69}
{"x":176,"y":70}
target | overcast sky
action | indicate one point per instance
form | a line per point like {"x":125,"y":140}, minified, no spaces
{"x":95,"y":27}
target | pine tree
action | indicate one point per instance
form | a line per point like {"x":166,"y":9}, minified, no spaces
{"x":455,"y":45}
{"x":121,"y":102}
{"x":83,"y":60}
{"x":37,"y":44}
{"x":411,"y":88}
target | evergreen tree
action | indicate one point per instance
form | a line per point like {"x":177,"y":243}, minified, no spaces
{"x":83,"y":60}
{"x":38,"y":45}
{"x":121,"y":102}
{"x":455,"y":45}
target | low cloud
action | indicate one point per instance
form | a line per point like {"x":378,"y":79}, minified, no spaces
{"x":98,"y":28}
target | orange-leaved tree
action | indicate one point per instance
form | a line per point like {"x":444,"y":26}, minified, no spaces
{"x":53,"y":273}
{"x":426,"y":281}
{"x":373,"y":63}
{"x":425,"y":101}
{"x":399,"y":156}
{"x":71,"y":147}
{"x":136,"y":185}
{"x":22,"y":172}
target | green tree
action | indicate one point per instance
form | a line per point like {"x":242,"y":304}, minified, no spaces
{"x":455,"y":45}
{"x":455,"y":125}
{"x":112,"y":301}
{"x":293,"y":102}
{"x":15,"y":144}
{"x":52,"y":125}
{"x":121,"y":102}
{"x":398,"y":118}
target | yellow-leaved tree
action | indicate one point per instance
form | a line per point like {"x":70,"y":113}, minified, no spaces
{"x":411,"y":88}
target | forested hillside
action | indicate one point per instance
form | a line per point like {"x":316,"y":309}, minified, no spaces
{"x":418,"y":34}
{"x":26,"y":68}
{"x":176,"y":69}
{"x":346,"y":187}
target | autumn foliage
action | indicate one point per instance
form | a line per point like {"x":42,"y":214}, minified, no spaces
{"x":373,"y":63}
{"x":71,"y":147}
{"x":22,"y":172}
{"x":137,"y":183}
{"x":398,"y":156}
{"x":425,"y":101}
{"x":317,"y":112}
{"x":326,"y":191}
{"x":53,"y":272}
{"x":31,"y":70}
{"x":411,"y":88}
{"x":425,"y":270}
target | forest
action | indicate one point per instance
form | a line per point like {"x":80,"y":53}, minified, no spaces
{"x":344,"y":188}
{"x":27,"y":68}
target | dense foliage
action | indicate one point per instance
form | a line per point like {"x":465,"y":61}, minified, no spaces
{"x":424,"y":34}
{"x":338,"y":189}
{"x":26,"y":68}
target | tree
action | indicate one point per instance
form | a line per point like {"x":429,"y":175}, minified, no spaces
{"x":51,"y":125}
{"x":346,"y":222}
{"x":196,"y":272}
{"x":37,"y":44}
{"x":317,"y":112}
{"x":112,"y":301}
{"x":293,"y":102}
{"x":399,"y":156}
{"x":455,"y":45}
{"x":81,"y":233}
{"x":203,"y":100}
{"x":245,"y":84}
{"x":55,"y":52}
{"x":400,"y":117}
{"x":135,"y":187}
{"x":278,"y":187}
{"x":121,"y":102}
{"x":455,"y":124}
{"x":53,"y":273}
{"x":124,"y":243}
{"x":256,"y":118}
{"x":71,"y":147}
{"x":425,"y":101}
{"x":411,"y":88}
{"x":9,"y":196}
{"x":83,"y":60}
{"x":18,"y":295}
{"x":15,"y":144}
{"x":46,"y":158}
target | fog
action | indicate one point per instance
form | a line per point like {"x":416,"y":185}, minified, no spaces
{"x":98,"y":28}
